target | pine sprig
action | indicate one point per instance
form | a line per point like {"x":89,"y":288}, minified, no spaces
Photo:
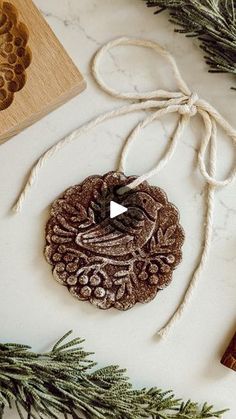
{"x":212,"y":21}
{"x":65,"y":381}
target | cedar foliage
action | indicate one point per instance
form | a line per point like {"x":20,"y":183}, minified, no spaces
{"x":212,"y":21}
{"x":65,"y":381}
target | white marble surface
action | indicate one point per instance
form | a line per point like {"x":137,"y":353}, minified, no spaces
{"x":33,"y":307}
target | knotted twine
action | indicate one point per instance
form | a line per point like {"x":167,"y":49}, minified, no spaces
{"x":159,"y":102}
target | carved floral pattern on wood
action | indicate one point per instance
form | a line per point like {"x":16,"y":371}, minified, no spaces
{"x":113,"y":262}
{"x":15,"y":55}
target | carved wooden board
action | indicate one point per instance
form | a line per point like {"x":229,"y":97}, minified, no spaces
{"x":36,"y":74}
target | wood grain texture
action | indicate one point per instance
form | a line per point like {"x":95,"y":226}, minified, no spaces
{"x":51,"y":76}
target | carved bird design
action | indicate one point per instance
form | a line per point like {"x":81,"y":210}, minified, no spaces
{"x":126,"y":233}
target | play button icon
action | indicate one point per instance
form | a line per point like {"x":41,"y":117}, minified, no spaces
{"x":116,"y":209}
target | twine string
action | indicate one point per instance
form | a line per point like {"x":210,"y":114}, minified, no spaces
{"x":159,"y":102}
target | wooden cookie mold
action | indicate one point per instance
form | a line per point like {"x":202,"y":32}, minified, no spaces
{"x":15,"y":55}
{"x":36,"y":73}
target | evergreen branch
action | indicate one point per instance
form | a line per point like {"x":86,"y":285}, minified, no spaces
{"x":212,"y":21}
{"x":64,"y":381}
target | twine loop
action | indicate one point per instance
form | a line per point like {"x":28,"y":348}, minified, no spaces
{"x":160,"y":102}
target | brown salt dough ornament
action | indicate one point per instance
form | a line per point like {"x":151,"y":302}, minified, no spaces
{"x":113,"y":262}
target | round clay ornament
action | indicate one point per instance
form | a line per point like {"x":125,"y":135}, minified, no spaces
{"x":113,"y":262}
{"x":119,"y":262}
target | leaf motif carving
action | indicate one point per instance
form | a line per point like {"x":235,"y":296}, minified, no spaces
{"x":120,"y":274}
{"x":91,"y":214}
{"x":120,"y":292}
{"x":119,"y":281}
{"x":160,"y":235}
{"x":169,"y":242}
{"x":152,"y":244}
{"x":164,"y":239}
{"x":95,"y":206}
{"x":170,"y":231}
{"x":129,"y":287}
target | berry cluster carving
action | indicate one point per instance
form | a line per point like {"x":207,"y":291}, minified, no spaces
{"x":15,"y":55}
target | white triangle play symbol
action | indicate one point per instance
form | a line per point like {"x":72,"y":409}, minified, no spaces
{"x":116,"y":209}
